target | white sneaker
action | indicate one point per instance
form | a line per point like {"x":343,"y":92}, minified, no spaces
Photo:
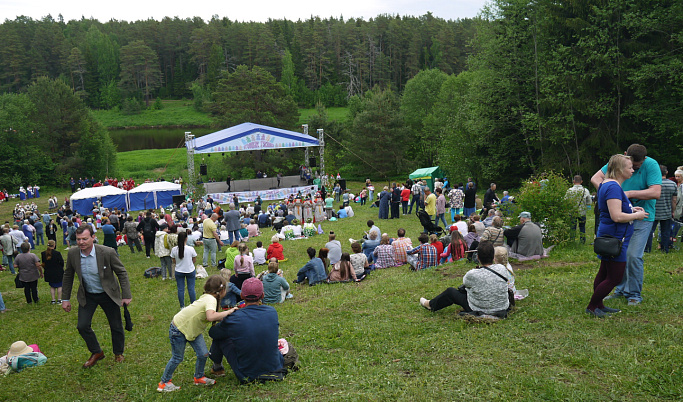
{"x":425,"y":303}
{"x":204,"y":381}
{"x":351,"y":241}
{"x":167,"y":387}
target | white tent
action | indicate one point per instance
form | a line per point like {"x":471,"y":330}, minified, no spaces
{"x":152,"y":195}
{"x":112,"y":197}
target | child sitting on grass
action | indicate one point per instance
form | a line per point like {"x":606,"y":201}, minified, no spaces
{"x":232,"y":294}
{"x":275,"y":286}
{"x":259,"y":254}
{"x":188,"y":326}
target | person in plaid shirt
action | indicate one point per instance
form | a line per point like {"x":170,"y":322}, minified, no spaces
{"x":384,"y":254}
{"x":401,"y":247}
{"x":426,"y":254}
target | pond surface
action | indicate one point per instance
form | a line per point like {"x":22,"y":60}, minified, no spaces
{"x":153,"y":138}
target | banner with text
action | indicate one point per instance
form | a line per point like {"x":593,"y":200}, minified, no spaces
{"x":266,"y":195}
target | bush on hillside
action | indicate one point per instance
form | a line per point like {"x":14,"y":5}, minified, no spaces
{"x":543,"y":196}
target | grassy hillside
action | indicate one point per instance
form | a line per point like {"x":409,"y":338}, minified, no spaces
{"x":182,"y":113}
{"x":372,"y":341}
{"x":174,"y":113}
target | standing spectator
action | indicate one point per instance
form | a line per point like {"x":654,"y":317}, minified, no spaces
{"x":456,"y":197}
{"x":490,"y":199}
{"x":663,"y":213}
{"x":643,"y":189}
{"x":163,"y":252}
{"x":384,"y":199}
{"x":29,"y":269}
{"x":440,"y":207}
{"x":148,"y":226}
{"x":430,"y":203}
{"x":211,"y":239}
{"x":130,"y":229}
{"x":40,"y":231}
{"x":232,"y":223}
{"x":470,"y":199}
{"x":616,"y":215}
{"x":405,"y":198}
{"x":185,"y":258}
{"x":582,"y":199}
{"x":109,"y":235}
{"x":416,"y":190}
{"x":395,"y":201}
{"x":8,"y":247}
{"x":53,"y":264}
{"x":51,"y":230}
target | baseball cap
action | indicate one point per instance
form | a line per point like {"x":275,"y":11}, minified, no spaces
{"x":525,"y":215}
{"x":252,"y":290}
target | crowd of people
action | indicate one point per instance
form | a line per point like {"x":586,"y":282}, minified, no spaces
{"x":239,"y":298}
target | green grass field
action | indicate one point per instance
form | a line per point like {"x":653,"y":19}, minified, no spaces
{"x":174,"y":113}
{"x":183,"y":114}
{"x":333,"y":113}
{"x":372,"y":341}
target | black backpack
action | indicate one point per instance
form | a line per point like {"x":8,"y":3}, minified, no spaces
{"x":147,"y":227}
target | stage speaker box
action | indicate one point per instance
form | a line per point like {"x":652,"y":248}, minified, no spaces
{"x":178,"y":199}
{"x":311,"y":162}
{"x":202,"y":169}
{"x":342,"y":184}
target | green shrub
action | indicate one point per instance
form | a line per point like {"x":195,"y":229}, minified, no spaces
{"x":544,"y":197}
{"x":158,"y":105}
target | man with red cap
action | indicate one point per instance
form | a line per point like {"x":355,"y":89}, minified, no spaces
{"x":248,"y":338}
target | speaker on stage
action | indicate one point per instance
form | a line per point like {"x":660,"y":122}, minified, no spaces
{"x":311,"y":162}
{"x":178,"y":199}
{"x":202,"y":169}
{"x":342,"y":184}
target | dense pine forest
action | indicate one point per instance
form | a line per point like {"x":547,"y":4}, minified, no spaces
{"x":524,"y":88}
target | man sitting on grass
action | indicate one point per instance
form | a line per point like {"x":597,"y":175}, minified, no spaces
{"x":426,"y":254}
{"x":314,"y":269}
{"x":248,"y":338}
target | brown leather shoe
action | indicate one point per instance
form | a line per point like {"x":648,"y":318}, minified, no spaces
{"x":93,"y":359}
{"x":119,"y":358}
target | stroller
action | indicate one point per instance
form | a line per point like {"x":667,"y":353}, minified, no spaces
{"x":428,"y":225}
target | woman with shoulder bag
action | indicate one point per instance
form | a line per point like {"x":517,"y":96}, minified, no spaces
{"x":616,"y":217}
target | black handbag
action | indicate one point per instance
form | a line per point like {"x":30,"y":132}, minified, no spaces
{"x":607,"y":246}
{"x":17,"y":283}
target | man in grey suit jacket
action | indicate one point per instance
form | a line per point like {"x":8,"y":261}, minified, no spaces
{"x":103,"y":282}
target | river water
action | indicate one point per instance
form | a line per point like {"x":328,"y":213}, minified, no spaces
{"x":153,"y":138}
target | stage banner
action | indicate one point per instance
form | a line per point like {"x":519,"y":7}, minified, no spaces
{"x":266,"y":195}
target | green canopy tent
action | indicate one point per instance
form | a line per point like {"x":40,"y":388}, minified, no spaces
{"x":428,"y":175}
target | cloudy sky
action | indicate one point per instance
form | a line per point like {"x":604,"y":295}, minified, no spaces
{"x":131,"y":10}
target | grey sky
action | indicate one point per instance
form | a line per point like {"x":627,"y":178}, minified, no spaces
{"x":130,"y":10}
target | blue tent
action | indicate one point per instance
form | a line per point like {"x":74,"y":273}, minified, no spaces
{"x":250,"y":137}
{"x":112,"y":197}
{"x":152,"y":195}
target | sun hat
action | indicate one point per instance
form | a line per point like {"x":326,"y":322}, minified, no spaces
{"x":252,"y":290}
{"x":19,"y":348}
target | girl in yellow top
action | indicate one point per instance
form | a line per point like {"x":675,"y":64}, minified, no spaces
{"x":188,"y":326}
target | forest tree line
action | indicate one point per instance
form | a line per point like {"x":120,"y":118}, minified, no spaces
{"x":325,"y":60}
{"x":526,"y":87}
